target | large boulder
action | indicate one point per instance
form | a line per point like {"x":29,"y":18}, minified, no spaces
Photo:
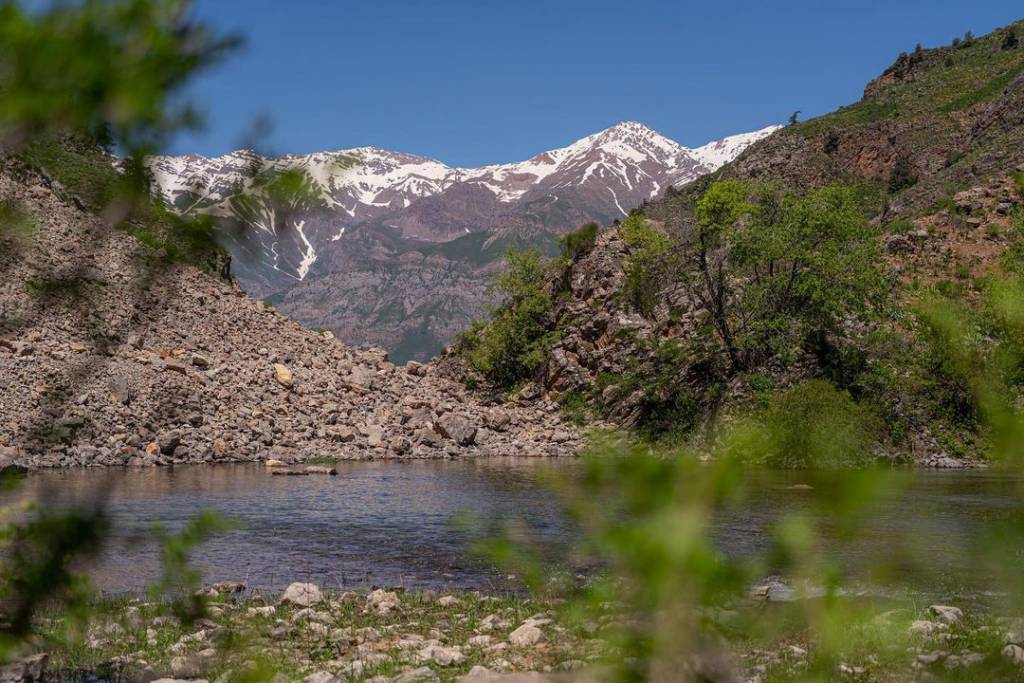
{"x":457,"y":428}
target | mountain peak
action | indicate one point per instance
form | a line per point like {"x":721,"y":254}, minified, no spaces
{"x":626,"y":127}
{"x":630,"y":130}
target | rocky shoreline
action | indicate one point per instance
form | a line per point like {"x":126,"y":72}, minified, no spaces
{"x":391,"y":636}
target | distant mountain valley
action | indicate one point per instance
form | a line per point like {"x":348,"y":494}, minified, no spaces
{"x":395,"y":250}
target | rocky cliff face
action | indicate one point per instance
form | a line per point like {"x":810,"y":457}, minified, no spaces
{"x":111,"y":355}
{"x":397,"y":250}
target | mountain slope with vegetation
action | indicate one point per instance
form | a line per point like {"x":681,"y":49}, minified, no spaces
{"x":820,"y":278}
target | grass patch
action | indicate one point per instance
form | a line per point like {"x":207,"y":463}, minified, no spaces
{"x":1018,"y":181}
{"x":994,"y":86}
{"x":16,"y":223}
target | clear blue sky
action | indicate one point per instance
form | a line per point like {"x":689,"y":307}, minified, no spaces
{"x":471,"y":82}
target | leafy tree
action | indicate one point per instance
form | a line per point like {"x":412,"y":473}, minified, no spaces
{"x":646,"y":265}
{"x":773,"y":268}
{"x":514,"y":345}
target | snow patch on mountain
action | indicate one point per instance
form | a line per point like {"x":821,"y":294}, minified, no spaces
{"x":716,"y":154}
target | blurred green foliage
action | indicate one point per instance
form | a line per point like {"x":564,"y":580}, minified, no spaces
{"x":108,"y":70}
{"x":179,"y":581}
{"x":813,"y":425}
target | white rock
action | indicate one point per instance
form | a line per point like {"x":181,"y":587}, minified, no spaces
{"x":383,"y":601}
{"x":310,"y":614}
{"x":264,"y":611}
{"x":479,"y":641}
{"x":320,"y":677}
{"x":184,"y":667}
{"x":448,"y":601}
{"x":302,"y":594}
{"x":526,"y":635}
{"x":1014,"y":654}
{"x":441,"y":654}
{"x":921,"y":627}
{"x":424,"y":673}
{"x":476,"y":672}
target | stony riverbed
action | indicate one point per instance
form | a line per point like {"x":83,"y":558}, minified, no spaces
{"x":391,"y":636}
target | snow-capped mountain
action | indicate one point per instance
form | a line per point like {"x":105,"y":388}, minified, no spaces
{"x":366,"y":208}
{"x":596,"y":178}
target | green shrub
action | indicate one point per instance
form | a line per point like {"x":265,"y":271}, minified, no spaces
{"x":814,"y":425}
{"x":903,"y":174}
{"x":513,"y":346}
{"x":646,"y":264}
{"x":1013,"y":259}
{"x":1018,"y":180}
{"x":578,"y":242}
{"x":1010,"y":40}
{"x":575,"y":407}
{"x":900,"y":226}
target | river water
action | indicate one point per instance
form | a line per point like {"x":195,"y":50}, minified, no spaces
{"x":414,"y":524}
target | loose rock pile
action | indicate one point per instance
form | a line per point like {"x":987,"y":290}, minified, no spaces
{"x":111,"y":356}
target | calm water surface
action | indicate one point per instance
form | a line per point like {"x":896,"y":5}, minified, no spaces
{"x":391,"y":523}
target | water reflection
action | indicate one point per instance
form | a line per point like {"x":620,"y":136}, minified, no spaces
{"x":375,"y":523}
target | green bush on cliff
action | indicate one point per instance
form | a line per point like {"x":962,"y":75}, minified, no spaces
{"x":514,"y":345}
{"x":645,"y":266}
{"x":1018,"y":181}
{"x":579,"y":242}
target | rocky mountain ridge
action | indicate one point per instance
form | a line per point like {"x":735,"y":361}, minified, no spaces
{"x":396,"y":250}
